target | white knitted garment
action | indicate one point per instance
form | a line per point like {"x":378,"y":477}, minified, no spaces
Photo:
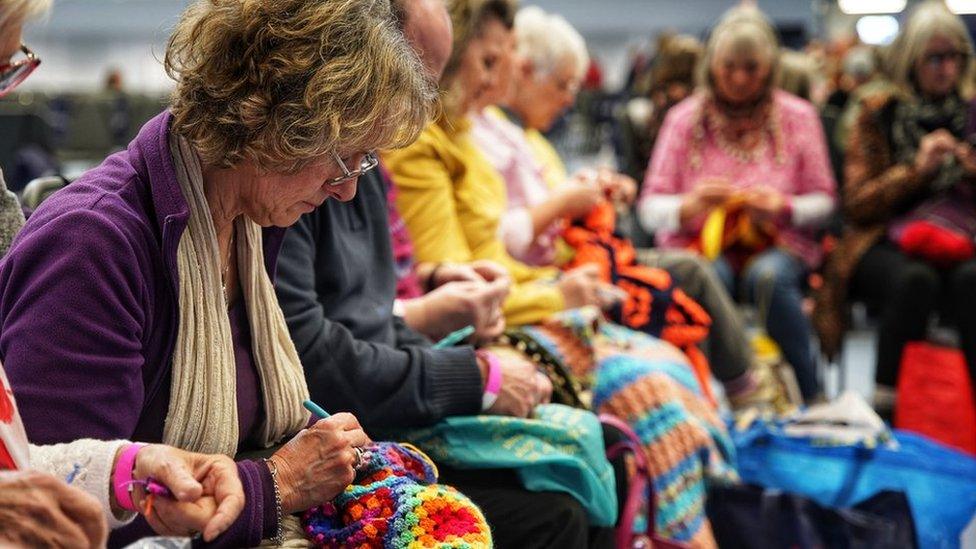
{"x":94,"y":459}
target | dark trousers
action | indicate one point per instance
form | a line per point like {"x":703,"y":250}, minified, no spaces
{"x":535,"y":520}
{"x":908,"y":292}
{"x":521,"y":519}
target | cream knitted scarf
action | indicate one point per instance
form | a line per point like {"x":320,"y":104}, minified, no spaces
{"x":202,"y":413}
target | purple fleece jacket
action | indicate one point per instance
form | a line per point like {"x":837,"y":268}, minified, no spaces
{"x":88,"y":314}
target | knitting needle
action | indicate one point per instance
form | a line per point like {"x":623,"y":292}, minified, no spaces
{"x":315,"y":409}
{"x":454,"y":338}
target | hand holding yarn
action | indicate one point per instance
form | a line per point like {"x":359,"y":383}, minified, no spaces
{"x":707,"y":194}
{"x":207,"y":495}
{"x":579,"y":196}
{"x":581,"y":287}
{"x":932,"y":151}
{"x":765,"y":203}
{"x":476,"y":271}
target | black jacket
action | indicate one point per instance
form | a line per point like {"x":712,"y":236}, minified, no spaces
{"x":336,"y":285}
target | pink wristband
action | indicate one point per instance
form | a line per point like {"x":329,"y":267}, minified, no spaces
{"x":493,"y":384}
{"x":122,"y":476}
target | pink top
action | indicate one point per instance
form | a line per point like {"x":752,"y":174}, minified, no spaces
{"x":687,"y":150}
{"x":506,"y":148}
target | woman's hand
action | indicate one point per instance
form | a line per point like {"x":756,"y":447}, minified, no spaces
{"x":708,"y":193}
{"x":582,"y":287}
{"x":38,"y":510}
{"x":523,"y":386}
{"x":967,"y":158}
{"x":765,"y":203}
{"x":578,"y":196}
{"x":207,"y":491}
{"x":618,"y":187}
{"x":476,"y":271}
{"x":456,"y":305}
{"x":932,"y":151}
{"x":317,"y":464}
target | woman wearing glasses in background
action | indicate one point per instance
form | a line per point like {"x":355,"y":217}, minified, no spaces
{"x":909,"y":186}
{"x":138,"y":302}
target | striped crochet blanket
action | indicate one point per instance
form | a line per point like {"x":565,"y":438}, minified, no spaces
{"x":649,"y":384}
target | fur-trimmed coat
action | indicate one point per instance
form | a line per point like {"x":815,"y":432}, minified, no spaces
{"x":876,"y":190}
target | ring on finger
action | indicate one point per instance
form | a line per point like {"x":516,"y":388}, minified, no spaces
{"x":362,"y":457}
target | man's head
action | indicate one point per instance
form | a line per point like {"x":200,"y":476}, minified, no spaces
{"x":427,"y":26}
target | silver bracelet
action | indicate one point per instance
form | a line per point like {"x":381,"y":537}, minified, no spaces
{"x":279,"y":537}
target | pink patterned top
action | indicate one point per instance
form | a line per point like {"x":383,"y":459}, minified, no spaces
{"x":793,"y":159}
{"x":505,"y":146}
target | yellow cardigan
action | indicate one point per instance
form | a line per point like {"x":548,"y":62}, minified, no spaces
{"x":553,"y":169}
{"x":452,"y":201}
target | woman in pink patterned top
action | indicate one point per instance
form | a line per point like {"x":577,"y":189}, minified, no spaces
{"x":738,"y":140}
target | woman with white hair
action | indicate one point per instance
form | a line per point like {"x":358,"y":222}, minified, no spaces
{"x":742,"y":147}
{"x":909,"y":200}
{"x":540,"y":84}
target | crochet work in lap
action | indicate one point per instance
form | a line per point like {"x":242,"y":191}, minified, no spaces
{"x":394,"y":503}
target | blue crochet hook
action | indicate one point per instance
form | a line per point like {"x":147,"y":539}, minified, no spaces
{"x":315,"y":409}
{"x":455,"y":337}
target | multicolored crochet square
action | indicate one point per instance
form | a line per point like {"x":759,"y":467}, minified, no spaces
{"x":394,"y":503}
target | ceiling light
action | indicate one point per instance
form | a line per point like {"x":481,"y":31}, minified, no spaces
{"x":857,"y":7}
{"x":877,"y":30}
{"x":961,"y":7}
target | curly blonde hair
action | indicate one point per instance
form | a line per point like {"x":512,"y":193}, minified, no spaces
{"x":282,"y":82}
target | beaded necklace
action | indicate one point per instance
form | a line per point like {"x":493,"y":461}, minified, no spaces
{"x":745,"y":145}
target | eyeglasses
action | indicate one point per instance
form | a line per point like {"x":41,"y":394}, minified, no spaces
{"x":368,"y":162}
{"x":937,"y":59}
{"x":570,"y":86}
{"x":12,"y":74}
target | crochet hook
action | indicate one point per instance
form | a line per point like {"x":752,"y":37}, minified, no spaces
{"x":455,"y":337}
{"x":315,"y":409}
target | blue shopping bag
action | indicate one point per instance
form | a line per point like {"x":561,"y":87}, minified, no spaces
{"x":940,"y":483}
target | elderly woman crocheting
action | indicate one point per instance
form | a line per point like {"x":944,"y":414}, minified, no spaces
{"x":758,"y":154}
{"x":145,"y":286}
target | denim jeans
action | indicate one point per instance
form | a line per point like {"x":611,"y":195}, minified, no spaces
{"x":772,"y":282}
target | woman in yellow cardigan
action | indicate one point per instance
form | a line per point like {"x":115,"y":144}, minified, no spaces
{"x":453,"y":200}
